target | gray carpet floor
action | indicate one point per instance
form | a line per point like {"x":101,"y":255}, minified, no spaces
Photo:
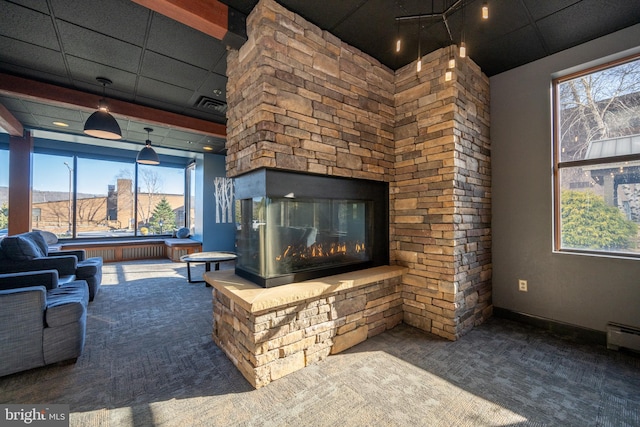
{"x":149,"y":360}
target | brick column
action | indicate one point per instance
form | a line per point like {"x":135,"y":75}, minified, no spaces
{"x":441,"y":195}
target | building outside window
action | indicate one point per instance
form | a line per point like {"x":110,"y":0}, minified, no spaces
{"x":78,"y":197}
{"x":597,"y":160}
{"x":52,"y":196}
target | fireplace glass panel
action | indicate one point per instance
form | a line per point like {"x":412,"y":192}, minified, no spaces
{"x":284,"y":236}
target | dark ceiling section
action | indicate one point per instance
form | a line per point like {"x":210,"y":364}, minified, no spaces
{"x":517,"y":32}
{"x":152,"y":61}
{"x":157,"y":62}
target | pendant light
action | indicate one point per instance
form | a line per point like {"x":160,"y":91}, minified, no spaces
{"x":419,"y":63}
{"x":147,"y":156}
{"x":101,"y":124}
{"x":463,"y":45}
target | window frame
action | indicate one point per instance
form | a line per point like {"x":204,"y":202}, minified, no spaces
{"x":558,"y":164}
{"x":124,"y":159}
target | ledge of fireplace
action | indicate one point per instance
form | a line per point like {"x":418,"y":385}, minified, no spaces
{"x":255,"y":299}
{"x":268,"y":333}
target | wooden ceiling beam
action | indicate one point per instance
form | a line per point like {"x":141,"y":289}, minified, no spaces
{"x":211,"y":17}
{"x":10,"y":123}
{"x":69,"y":98}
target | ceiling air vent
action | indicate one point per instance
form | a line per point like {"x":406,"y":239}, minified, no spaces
{"x":206,"y":103}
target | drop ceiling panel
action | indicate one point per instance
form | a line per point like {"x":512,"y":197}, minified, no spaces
{"x":596,"y":18}
{"x":28,"y":26}
{"x":120,"y":19}
{"x":97,"y":47}
{"x":64,"y":114}
{"x":507,"y":51}
{"x":36,"y":58}
{"x":327,"y":17}
{"x":162,"y":95}
{"x":84,"y":73}
{"x":13,"y":104}
{"x":214,"y":82}
{"x":168,"y":70}
{"x":173,"y":39}
{"x":39,"y":5}
{"x":542,"y":8}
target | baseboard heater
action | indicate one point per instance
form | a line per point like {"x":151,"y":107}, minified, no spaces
{"x":622,"y":336}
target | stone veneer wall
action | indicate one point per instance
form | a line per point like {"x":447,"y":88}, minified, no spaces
{"x":270,"y":344}
{"x":441,"y":195}
{"x":300,"y":99}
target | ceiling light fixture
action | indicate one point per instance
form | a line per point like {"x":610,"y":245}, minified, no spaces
{"x":61,"y":124}
{"x":463,"y":45}
{"x":147,"y":156}
{"x":419,"y":64}
{"x":101,"y":124}
{"x":455,"y":6}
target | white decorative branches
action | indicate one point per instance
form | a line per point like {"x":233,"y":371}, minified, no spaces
{"x":224,"y":199}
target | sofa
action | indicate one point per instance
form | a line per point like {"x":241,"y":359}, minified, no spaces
{"x":30,"y":252}
{"x":41,"y":321}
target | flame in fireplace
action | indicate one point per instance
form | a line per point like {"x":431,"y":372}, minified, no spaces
{"x":321,"y":250}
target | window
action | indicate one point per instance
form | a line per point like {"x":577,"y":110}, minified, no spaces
{"x":52,"y":194}
{"x":104,"y":199}
{"x":191,"y":197}
{"x":597,"y":160}
{"x":4,"y":191}
{"x":84,"y":197}
{"x":160,"y":199}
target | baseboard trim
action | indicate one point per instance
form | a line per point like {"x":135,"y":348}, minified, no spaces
{"x":575,"y":333}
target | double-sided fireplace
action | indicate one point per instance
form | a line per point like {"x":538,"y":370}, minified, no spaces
{"x":296,"y":227}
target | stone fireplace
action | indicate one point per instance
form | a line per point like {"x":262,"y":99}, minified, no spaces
{"x":302,"y":101}
{"x":296,"y":227}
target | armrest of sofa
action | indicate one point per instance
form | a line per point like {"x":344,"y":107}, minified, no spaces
{"x":81,"y":254}
{"x":46,"y":278}
{"x":67,"y":304}
{"x":66,"y":265}
{"x":22,"y":308}
{"x":88,"y":268}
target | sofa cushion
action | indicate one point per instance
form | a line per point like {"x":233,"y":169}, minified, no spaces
{"x":50,"y":238}
{"x":66,"y":304}
{"x":39,"y":240}
{"x":20,"y":248}
{"x":182,"y":233}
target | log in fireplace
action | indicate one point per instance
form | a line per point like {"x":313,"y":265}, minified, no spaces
{"x":296,"y":226}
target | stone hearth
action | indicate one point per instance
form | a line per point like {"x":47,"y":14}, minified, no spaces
{"x":269,"y":333}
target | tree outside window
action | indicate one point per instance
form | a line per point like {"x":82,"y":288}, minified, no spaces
{"x":597,"y":159}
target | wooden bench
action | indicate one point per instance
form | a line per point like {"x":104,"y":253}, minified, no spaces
{"x":131,"y":249}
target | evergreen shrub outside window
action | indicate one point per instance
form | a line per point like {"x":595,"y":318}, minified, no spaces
{"x":597,"y":160}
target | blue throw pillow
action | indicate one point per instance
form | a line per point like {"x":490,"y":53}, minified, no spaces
{"x":38,"y":239}
{"x":182,"y":233}
{"x":20,"y":248}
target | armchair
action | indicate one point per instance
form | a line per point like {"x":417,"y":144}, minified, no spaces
{"x":30,"y":252}
{"x":41,"y":321}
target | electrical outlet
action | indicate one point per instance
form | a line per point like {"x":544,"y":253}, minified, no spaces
{"x":522,"y":285}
